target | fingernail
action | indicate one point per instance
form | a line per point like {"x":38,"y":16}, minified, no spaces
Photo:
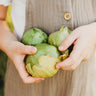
{"x":61,"y":47}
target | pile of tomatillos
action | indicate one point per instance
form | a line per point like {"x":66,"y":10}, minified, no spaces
{"x":42,"y":63}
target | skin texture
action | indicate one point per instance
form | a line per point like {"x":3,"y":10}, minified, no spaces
{"x":16,"y":51}
{"x":84,"y":40}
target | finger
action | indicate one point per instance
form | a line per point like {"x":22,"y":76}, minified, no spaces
{"x":74,"y":66}
{"x":28,"y":50}
{"x":72,"y":59}
{"x":24,"y":74}
{"x":69,"y":41}
{"x":64,"y":64}
{"x":30,"y":80}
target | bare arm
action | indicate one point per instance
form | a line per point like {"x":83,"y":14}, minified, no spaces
{"x":3,"y":12}
{"x":15,"y":50}
{"x":5,"y":34}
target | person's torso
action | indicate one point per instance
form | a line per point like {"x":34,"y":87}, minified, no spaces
{"x":48,"y":15}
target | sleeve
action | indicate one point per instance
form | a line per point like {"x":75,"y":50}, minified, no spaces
{"x":5,"y":2}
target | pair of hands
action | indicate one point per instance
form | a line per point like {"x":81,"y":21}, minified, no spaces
{"x":83,"y":38}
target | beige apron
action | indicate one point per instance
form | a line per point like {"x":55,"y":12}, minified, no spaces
{"x":49,"y":16}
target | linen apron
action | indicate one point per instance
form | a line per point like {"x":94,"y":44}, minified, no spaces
{"x":48,"y":15}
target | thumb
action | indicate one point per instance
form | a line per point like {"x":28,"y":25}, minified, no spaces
{"x":68,"y":41}
{"x":28,"y":49}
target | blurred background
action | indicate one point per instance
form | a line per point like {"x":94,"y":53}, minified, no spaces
{"x":3,"y":56}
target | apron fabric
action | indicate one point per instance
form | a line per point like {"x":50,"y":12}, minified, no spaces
{"x":48,"y":15}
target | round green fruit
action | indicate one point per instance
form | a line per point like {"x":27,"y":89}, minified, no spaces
{"x":34,"y":36}
{"x":42,"y":64}
{"x":56,"y":38}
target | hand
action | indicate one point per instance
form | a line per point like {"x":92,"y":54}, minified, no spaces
{"x":84,"y":40}
{"x":16,"y":51}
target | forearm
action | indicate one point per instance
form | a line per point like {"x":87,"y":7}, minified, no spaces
{"x":6,"y":37}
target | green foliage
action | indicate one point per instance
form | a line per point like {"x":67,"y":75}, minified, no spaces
{"x":3,"y":61}
{"x":1,"y":90}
